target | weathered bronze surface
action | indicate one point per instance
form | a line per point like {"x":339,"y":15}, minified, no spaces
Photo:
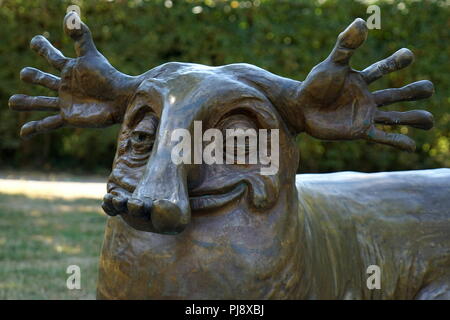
{"x":182,"y":231}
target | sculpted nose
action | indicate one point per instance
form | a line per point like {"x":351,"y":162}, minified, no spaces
{"x":138,"y":208}
{"x":160,"y":202}
{"x":167,"y":217}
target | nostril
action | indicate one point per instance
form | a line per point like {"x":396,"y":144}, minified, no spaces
{"x":136,"y":207}
{"x":167,"y":217}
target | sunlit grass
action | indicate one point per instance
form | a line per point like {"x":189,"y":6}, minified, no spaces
{"x":52,"y":189}
{"x":40,"y":238}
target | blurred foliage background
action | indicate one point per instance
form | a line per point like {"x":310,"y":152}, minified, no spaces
{"x":286,"y":37}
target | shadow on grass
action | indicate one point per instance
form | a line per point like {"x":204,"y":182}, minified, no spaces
{"x":40,"y":238}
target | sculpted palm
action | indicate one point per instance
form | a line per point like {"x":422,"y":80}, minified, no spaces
{"x":91,"y":93}
{"x":337,"y":103}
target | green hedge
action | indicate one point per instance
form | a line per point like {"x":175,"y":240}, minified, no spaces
{"x":284,"y":37}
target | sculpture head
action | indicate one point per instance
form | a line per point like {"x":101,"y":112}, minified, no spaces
{"x":154,"y":193}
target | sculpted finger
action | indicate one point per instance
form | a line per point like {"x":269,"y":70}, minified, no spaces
{"x":415,"y":91}
{"x":22,"y":102}
{"x":45,"y":49}
{"x":399,"y":60}
{"x":80,"y":33}
{"x":107,"y":205}
{"x":396,"y":140}
{"x":120,"y":204}
{"x":138,"y":208}
{"x":35,"y":76}
{"x":420,"y":119}
{"x":32,"y":128}
{"x":349,"y":40}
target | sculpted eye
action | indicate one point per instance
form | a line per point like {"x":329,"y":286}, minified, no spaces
{"x":143,"y":135}
{"x":139,"y":137}
{"x":141,"y":141}
{"x":240,"y":138}
{"x":237,"y":121}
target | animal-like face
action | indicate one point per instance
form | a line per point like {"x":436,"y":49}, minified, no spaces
{"x":155,"y":193}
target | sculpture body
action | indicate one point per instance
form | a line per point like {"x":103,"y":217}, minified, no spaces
{"x":398,"y":221}
{"x":198,"y":230}
{"x":345,"y":222}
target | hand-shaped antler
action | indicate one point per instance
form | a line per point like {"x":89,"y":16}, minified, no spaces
{"x":337,"y":103}
{"x":91,"y":92}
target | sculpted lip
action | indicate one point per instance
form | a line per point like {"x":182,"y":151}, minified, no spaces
{"x":211,"y":201}
{"x":202,"y":199}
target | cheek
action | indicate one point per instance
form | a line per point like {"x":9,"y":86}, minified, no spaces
{"x":262,"y":190}
{"x":126,"y":177}
{"x":128,"y":167}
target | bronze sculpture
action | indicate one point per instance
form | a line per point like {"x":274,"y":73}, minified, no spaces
{"x":182,"y":231}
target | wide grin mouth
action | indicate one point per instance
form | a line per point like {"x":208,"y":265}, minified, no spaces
{"x":199,"y":200}
{"x":216,"y":200}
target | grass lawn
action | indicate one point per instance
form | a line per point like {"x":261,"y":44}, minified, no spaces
{"x":40,"y":238}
